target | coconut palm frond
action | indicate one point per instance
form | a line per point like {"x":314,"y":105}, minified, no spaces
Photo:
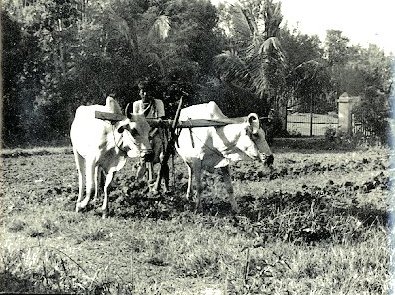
{"x":265,"y":61}
{"x":308,"y":69}
{"x":271,"y":48}
{"x":160,"y":29}
{"x":250,"y":19}
{"x":240,"y":22}
{"x":258,"y":70}
{"x":273,"y":18}
{"x":120,"y":24}
{"x":232,"y":68}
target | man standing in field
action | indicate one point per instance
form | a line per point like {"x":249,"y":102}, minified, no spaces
{"x":152,"y":108}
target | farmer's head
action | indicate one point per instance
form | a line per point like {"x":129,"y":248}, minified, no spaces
{"x":146,"y":90}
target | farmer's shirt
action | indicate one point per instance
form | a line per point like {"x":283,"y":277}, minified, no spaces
{"x":152,"y":110}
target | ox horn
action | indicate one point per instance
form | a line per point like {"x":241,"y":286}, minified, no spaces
{"x":253,"y":120}
{"x":128,"y":110}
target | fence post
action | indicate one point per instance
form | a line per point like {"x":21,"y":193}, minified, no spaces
{"x":311,"y":115}
{"x":345,"y":113}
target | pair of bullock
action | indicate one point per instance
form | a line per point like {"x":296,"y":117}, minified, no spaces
{"x":103,"y":146}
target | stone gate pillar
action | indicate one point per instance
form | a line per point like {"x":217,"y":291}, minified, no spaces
{"x":346,"y":104}
{"x":345,"y":116}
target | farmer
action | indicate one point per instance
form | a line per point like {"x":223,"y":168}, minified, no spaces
{"x":152,"y":108}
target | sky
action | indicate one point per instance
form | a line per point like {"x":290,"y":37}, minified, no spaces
{"x":362,"y":21}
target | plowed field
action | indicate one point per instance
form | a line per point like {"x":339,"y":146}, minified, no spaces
{"x":317,"y":223}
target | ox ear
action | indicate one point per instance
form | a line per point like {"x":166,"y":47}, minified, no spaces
{"x":253,"y":121}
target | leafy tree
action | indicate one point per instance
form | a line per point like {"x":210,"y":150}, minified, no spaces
{"x":308,"y":80}
{"x":79,"y":51}
{"x":336,"y":47}
{"x":14,"y":57}
{"x":373,"y":73}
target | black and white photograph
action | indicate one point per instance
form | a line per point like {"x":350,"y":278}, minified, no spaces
{"x":197,"y":147}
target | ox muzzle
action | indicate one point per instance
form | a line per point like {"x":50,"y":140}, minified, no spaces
{"x":267,"y":160}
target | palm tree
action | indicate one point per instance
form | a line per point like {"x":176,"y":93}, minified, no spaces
{"x":255,"y":60}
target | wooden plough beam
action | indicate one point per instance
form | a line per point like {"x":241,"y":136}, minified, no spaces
{"x":168,"y":123}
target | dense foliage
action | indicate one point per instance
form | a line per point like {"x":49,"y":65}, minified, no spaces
{"x":60,"y":54}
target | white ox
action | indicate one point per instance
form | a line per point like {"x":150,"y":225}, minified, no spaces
{"x":215,"y":147}
{"x":99,"y":145}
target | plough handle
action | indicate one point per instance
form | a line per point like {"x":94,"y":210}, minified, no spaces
{"x":164,"y":167}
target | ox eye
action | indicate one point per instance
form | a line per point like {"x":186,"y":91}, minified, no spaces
{"x":121,"y":129}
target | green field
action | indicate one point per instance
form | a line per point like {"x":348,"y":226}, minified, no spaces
{"x":317,"y":223}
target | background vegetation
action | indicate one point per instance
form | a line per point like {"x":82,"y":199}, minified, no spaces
{"x":60,"y":54}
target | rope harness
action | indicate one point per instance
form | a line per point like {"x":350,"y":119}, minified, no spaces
{"x":193,"y":134}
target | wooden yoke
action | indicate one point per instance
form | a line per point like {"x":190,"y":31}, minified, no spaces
{"x":109,"y":116}
{"x":168,"y":123}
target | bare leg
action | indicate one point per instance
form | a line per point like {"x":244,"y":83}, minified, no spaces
{"x":229,"y":187}
{"x":164,"y":168}
{"x":166,"y":176}
{"x":140,"y":171}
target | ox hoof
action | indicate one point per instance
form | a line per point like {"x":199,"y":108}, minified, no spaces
{"x":104,"y":214}
{"x":78,"y":207}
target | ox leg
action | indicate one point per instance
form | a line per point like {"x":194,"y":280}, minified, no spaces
{"x":190,"y":188}
{"x":90,"y":181}
{"x":98,"y":181}
{"x":150,"y":168}
{"x":104,"y":208}
{"x":80,"y":162}
{"x":197,"y":169}
{"x":229,"y":187}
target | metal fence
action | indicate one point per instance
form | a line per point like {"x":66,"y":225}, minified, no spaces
{"x":360,"y":128}
{"x":310,"y":124}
